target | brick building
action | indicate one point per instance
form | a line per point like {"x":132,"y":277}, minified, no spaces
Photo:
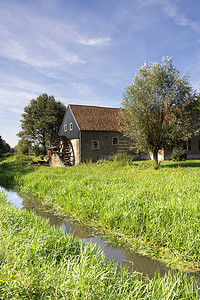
{"x":192,"y":146}
{"x":92,"y":132}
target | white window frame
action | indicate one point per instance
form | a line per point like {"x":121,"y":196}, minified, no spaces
{"x":70,"y":126}
{"x":95,"y":148}
{"x":117,"y":141}
{"x":198,"y":127}
{"x":65,"y":127}
{"x":188,"y":146}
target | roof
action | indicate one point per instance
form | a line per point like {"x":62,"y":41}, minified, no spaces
{"x":96,"y":118}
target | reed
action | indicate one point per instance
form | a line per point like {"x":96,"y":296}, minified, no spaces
{"x":41,"y":262}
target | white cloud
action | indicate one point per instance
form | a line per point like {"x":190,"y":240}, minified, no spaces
{"x":14,"y":99}
{"x":17,"y":83}
{"x":81,"y":88}
{"x":179,"y":17}
{"x":172,"y":11}
{"x":39,"y":53}
{"x":41,"y":41}
{"x":95,"y":42}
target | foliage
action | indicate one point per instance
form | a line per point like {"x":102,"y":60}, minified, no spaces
{"x":23,"y":159}
{"x":41,"y":120}
{"x":121,"y":158}
{"x":23,"y":147}
{"x":40,"y":262}
{"x":39,"y":151}
{"x":157,"y":108}
{"x":178,"y":155}
{"x":4,"y":147}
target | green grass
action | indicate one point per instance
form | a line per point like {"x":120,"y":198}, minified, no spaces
{"x":40,"y":262}
{"x":154,"y":211}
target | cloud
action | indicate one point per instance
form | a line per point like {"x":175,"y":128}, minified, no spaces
{"x":41,"y":52}
{"x":81,"y":88}
{"x":95,"y":42}
{"x":16,"y":83}
{"x":12,"y":98}
{"x":43,"y":41}
{"x":172,"y":11}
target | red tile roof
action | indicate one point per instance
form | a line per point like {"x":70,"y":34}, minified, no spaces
{"x":96,"y":118}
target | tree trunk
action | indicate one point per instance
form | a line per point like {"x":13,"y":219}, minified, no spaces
{"x":43,"y":152}
{"x":155,"y":157}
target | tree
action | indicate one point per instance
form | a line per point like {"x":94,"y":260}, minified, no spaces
{"x":157,"y":108}
{"x":1,"y":145}
{"x":41,"y":120}
{"x":23,"y":147}
{"x":4,"y":147}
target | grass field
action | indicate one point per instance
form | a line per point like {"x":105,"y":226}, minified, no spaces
{"x":154,"y":211}
{"x":40,"y":262}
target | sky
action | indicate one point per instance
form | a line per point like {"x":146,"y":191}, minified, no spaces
{"x":88,"y":51}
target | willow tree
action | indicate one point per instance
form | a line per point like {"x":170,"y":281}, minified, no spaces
{"x":157,"y":108}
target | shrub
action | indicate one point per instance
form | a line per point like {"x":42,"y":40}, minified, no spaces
{"x":23,"y":159}
{"x":121,"y":158}
{"x":178,"y":155}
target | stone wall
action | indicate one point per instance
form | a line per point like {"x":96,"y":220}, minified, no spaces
{"x":55,"y":161}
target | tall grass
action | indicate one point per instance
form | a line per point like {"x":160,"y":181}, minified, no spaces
{"x":39,"y":262}
{"x":158,"y":208}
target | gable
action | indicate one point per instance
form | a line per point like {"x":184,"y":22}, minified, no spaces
{"x":65,"y":128}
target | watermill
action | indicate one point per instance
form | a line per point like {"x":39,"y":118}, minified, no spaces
{"x":61,"y":154}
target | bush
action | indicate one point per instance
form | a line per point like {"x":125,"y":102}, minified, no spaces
{"x":121,"y":158}
{"x":178,"y":155}
{"x":23,"y":159}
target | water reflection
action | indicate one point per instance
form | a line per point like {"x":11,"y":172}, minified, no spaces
{"x":119,"y":253}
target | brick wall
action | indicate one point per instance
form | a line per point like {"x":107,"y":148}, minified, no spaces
{"x":106,"y":148}
{"x":194,"y":152}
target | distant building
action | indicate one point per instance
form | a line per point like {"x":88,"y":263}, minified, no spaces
{"x":93,"y":133}
{"x":90,"y":132}
{"x":192,"y":146}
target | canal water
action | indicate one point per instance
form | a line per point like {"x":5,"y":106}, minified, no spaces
{"x":119,"y":253}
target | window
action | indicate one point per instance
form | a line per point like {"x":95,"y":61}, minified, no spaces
{"x":187,"y":145}
{"x":65,"y":127}
{"x":95,"y":144}
{"x":70,"y":126}
{"x":115,"y":141}
{"x":198,"y":127}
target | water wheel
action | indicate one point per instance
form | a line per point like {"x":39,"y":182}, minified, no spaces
{"x":64,"y":150}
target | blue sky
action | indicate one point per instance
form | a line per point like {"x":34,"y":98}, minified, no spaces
{"x":87,"y":51}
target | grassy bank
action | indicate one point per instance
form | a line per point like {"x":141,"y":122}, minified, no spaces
{"x":40,"y":262}
{"x":155,"y":211}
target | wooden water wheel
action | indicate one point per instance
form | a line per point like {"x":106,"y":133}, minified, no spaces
{"x":64,"y":150}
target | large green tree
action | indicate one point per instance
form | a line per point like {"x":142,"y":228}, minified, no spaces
{"x":41,"y":120}
{"x":158,"y":107}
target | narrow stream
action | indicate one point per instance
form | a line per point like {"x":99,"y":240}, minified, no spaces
{"x":120,"y":254}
